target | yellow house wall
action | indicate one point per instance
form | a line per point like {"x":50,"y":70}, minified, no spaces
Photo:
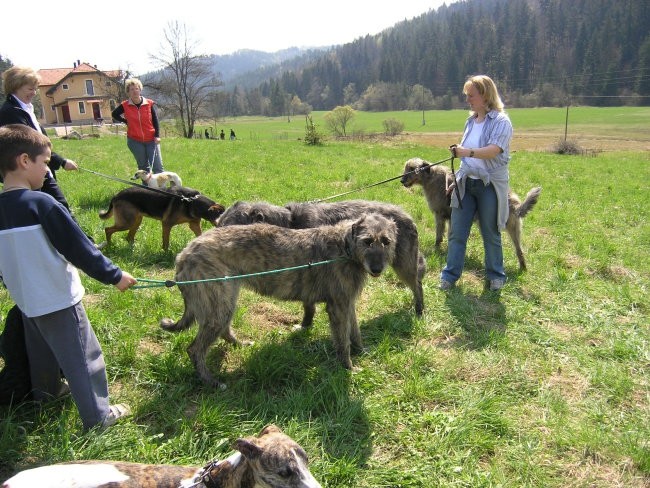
{"x":76,"y":87}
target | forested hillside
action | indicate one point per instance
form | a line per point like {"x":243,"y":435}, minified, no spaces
{"x":542,"y":52}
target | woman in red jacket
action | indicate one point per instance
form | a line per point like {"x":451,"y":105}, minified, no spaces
{"x":143,"y":131}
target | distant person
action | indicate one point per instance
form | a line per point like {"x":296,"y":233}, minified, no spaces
{"x":207,"y":134}
{"x":40,"y":249}
{"x":143,"y":130}
{"x":20,"y":84}
{"x":482,"y":182}
{"x":232,"y":135}
{"x":222,"y":135}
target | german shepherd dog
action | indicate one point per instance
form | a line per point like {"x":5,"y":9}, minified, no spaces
{"x":273,"y":459}
{"x":174,"y":206}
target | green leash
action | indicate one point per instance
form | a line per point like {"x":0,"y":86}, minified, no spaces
{"x":171,"y":283}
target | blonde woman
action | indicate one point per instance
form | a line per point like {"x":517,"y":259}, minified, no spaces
{"x":143,"y":131}
{"x":20,"y":85}
{"x":482,"y":181}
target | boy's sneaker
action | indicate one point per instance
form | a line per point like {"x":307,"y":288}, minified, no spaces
{"x":446,"y":285}
{"x":497,"y":284}
{"x":116,"y":412}
{"x":64,"y":389}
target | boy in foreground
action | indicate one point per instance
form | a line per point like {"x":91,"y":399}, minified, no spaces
{"x":41,"y":248}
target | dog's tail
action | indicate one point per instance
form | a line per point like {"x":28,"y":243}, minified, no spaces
{"x":105,"y":214}
{"x":529,"y":202}
{"x":185,"y":322}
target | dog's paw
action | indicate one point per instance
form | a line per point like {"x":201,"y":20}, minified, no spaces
{"x":168,"y":324}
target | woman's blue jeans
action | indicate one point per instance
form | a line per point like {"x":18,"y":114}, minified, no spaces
{"x":481,"y":200}
{"x":146,"y":154}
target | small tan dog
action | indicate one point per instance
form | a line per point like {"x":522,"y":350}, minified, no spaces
{"x":163,"y":180}
{"x":270,"y":459}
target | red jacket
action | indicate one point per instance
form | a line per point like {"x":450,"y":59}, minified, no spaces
{"x":139,"y":120}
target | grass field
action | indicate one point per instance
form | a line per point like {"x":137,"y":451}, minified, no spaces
{"x":543,"y":385}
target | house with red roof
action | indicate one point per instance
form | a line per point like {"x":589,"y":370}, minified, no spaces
{"x":81,"y":94}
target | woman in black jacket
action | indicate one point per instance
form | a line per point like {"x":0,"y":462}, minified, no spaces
{"x":20,"y":85}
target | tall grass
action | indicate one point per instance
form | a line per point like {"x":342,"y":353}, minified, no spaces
{"x":544,"y":384}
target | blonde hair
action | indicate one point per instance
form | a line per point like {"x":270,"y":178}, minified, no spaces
{"x":131,"y":82}
{"x":18,"y":76}
{"x":487,"y":89}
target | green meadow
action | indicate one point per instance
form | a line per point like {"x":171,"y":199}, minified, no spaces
{"x":629,"y":123}
{"x":545,"y":384}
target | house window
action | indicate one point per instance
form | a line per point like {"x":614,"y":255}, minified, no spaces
{"x":82,"y":108}
{"x":90,"y":90}
{"x":65,"y":86}
{"x":53,"y":108}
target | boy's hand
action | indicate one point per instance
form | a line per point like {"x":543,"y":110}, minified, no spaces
{"x":70,"y":165}
{"x":126,"y":282}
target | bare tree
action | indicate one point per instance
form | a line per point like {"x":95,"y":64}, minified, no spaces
{"x":185,"y":81}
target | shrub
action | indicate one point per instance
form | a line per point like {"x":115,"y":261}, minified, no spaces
{"x":312,"y":136}
{"x":564,"y":146}
{"x":392,"y":127}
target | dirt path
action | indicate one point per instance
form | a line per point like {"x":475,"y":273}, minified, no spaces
{"x":544,"y":141}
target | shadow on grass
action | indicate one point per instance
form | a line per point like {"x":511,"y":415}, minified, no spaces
{"x":396,"y":326}
{"x":291,"y":379}
{"x":482,"y":317}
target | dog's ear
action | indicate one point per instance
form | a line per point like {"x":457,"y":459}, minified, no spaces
{"x":270,"y":429}
{"x":248,"y":448}
{"x":256,"y":216}
{"x":217,"y":207}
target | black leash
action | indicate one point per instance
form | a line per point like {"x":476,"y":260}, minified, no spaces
{"x":423,"y":167}
{"x":452,"y":148}
{"x":158,"y":190}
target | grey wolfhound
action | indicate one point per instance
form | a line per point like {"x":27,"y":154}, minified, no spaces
{"x":358,"y":248}
{"x":408,"y":263}
{"x":435,"y":180}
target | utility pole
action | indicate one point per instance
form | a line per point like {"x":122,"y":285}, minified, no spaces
{"x":423,"y":121}
{"x":566,"y":120}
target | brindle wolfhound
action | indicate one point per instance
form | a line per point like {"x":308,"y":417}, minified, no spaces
{"x":436,"y":179}
{"x":271,"y":459}
{"x":360,"y":247}
{"x":409,"y":264}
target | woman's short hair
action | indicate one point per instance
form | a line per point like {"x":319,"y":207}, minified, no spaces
{"x":132,"y":81}
{"x":18,"y":76}
{"x":487,"y":89}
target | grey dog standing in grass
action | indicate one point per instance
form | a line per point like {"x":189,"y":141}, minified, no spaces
{"x":408,"y":263}
{"x":435,"y":180}
{"x":366,"y":246}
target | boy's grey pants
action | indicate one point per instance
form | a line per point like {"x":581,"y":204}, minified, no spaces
{"x":64,"y":340}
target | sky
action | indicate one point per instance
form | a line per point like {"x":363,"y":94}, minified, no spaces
{"x":124,"y":35}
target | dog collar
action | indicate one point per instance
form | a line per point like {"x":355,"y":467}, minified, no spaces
{"x":214,"y":472}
